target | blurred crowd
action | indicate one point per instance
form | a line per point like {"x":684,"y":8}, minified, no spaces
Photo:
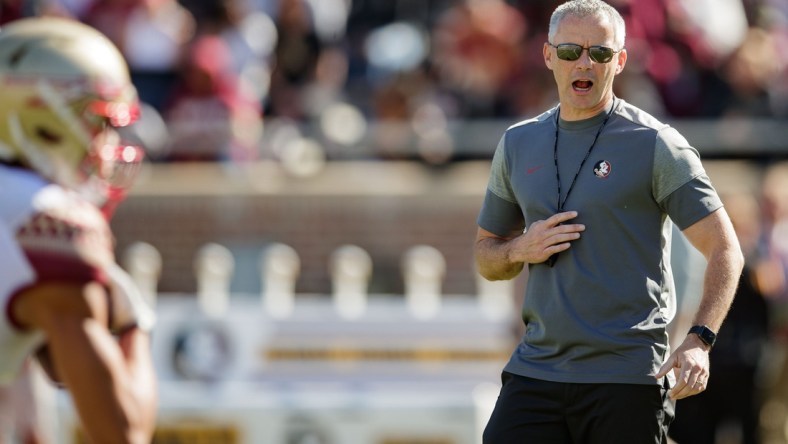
{"x":211,"y":71}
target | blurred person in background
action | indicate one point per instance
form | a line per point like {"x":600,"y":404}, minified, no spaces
{"x":152,"y":36}
{"x":774,"y":198}
{"x":64,"y":299}
{"x":250,"y":37}
{"x":586,"y":194}
{"x":11,"y":10}
{"x":477,"y":55}
{"x":771,"y":274}
{"x":209,"y":115}
{"x":731,"y":404}
{"x":296,"y":53}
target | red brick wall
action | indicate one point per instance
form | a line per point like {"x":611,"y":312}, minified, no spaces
{"x":312,"y":220}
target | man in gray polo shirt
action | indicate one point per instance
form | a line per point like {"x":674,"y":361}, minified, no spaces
{"x":585,"y":195}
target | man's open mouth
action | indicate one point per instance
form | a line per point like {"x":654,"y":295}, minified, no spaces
{"x":582,"y":85}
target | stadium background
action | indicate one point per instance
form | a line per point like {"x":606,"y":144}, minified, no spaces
{"x":318,"y":124}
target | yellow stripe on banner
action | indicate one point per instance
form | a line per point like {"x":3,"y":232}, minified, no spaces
{"x":196,"y":435}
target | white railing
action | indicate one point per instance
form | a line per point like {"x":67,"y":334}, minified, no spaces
{"x":423,"y":271}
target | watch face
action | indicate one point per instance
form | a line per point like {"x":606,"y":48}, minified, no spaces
{"x":705,"y":334}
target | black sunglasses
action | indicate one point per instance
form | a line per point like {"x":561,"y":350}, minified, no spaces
{"x":573,"y":51}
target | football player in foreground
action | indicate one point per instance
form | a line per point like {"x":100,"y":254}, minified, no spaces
{"x":64,"y":89}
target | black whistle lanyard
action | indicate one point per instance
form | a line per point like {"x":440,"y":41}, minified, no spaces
{"x":559,"y":203}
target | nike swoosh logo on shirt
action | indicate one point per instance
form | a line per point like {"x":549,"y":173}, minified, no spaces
{"x":533,"y":169}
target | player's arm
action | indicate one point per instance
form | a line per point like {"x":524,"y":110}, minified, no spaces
{"x":503,"y":257}
{"x":111,"y":380}
{"x":715,"y":238}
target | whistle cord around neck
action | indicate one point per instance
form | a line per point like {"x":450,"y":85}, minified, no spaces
{"x":559,"y":203}
{"x":552,"y":259}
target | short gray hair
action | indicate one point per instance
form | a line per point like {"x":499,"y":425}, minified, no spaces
{"x":589,"y":8}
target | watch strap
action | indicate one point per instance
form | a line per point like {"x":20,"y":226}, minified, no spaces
{"x":705,"y":334}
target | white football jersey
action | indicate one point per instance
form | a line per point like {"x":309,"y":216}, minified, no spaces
{"x":49,"y":233}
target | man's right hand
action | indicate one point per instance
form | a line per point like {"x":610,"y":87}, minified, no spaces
{"x":545,"y":238}
{"x":500,"y":258}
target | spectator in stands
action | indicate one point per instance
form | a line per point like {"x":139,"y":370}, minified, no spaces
{"x":477,"y":53}
{"x":209,"y":116}
{"x":296,"y":54}
{"x":151,"y":35}
{"x":13,"y":9}
{"x":594,"y":364}
{"x":772,"y":279}
{"x":250,"y":37}
{"x":750,"y":71}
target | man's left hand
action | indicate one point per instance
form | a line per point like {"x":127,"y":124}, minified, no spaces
{"x":690,"y":364}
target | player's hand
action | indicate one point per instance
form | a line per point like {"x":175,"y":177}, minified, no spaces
{"x":690,"y":365}
{"x":547,"y":237}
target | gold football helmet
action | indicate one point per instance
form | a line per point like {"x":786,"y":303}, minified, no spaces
{"x":64,"y":87}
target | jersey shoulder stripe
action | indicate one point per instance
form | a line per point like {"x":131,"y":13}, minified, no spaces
{"x":66,"y":238}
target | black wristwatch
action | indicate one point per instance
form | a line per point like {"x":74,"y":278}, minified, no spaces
{"x":704,"y":333}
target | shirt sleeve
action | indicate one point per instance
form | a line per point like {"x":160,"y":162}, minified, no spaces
{"x":500,"y":214}
{"x":681,"y":186}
